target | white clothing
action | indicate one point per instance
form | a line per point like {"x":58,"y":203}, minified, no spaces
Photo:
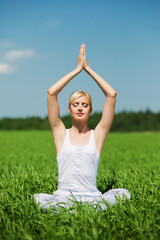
{"x":77,"y":173}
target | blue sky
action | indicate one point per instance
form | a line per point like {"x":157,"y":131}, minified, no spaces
{"x":39,"y":44}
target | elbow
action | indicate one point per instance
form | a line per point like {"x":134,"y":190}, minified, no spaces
{"x":114,"y":94}
{"x":52,"y":92}
{"x":48,"y":92}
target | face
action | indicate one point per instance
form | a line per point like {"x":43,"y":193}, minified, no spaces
{"x":80,"y":108}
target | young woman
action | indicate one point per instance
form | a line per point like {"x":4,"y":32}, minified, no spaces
{"x":78,"y":149}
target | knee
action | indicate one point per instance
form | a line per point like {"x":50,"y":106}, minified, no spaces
{"x":126,"y":193}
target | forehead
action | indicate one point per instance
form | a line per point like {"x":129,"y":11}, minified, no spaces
{"x":82,"y":99}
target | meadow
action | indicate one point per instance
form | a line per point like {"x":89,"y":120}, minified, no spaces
{"x":28,"y":166}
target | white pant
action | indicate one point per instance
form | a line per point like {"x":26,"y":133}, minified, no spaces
{"x":47,"y":201}
{"x":112,"y":195}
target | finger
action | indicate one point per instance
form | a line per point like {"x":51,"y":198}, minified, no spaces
{"x":81,"y":51}
{"x":83,"y":48}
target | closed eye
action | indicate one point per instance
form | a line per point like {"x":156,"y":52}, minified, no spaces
{"x":85,"y":105}
{"x":75,"y":104}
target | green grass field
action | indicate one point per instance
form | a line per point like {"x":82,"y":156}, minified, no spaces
{"x":28,"y":166}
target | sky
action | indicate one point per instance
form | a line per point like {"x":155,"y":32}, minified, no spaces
{"x":40,"y":41}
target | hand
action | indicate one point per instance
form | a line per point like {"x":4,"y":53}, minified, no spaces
{"x":80,"y":57}
{"x":85,"y":63}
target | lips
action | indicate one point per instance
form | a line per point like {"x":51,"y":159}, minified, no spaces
{"x":80,"y":114}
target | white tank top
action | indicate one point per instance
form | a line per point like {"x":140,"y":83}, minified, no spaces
{"x":77,"y":167}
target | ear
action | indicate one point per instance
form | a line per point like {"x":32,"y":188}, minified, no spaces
{"x":69,"y":110}
{"x":90,"y":109}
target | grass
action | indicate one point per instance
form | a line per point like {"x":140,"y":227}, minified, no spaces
{"x":28,"y":166}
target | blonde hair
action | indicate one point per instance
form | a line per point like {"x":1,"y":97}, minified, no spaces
{"x":78,"y":94}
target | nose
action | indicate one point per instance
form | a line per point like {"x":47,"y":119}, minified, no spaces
{"x":79,"y":108}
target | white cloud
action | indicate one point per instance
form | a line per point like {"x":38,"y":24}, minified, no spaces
{"x":6,"y":68}
{"x":19,"y":54}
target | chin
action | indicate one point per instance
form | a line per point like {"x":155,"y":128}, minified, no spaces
{"x":80,"y":119}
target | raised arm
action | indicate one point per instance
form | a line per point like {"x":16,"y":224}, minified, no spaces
{"x":103,"y":127}
{"x":57,"y":126}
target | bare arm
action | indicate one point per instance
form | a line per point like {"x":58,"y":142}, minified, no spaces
{"x":57,"y":126}
{"x":103,"y":127}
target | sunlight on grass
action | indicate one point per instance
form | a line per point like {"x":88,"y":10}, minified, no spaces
{"x":28,"y":166}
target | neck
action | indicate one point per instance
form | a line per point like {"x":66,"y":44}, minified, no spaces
{"x":79,"y":127}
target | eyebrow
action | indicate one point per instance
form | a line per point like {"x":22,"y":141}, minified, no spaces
{"x":82,"y":103}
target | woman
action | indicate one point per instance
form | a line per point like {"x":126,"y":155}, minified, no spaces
{"x":78,"y":149}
